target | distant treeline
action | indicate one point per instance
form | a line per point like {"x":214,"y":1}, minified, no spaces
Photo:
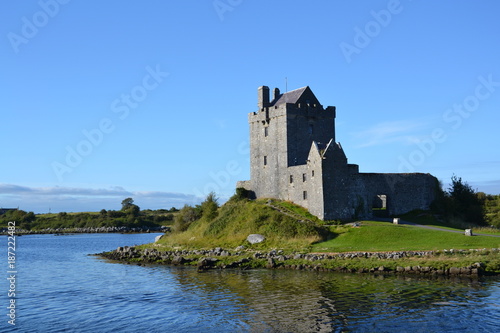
{"x":492,"y":209}
{"x":459,"y":205}
{"x":462,"y":205}
{"x":130,"y":216}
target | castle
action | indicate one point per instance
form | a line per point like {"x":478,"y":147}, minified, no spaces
{"x":294,"y":156}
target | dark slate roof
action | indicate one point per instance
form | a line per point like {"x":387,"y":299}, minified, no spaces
{"x":290,"y":97}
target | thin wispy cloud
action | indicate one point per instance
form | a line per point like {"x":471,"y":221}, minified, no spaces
{"x":57,"y":198}
{"x":403,"y":131}
{"x":57,"y":190}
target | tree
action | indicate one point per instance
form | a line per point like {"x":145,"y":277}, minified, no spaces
{"x":465,"y":203}
{"x":129,"y":208}
{"x":127,"y":203}
{"x":133,"y":210}
{"x":241,"y":194}
{"x":209,"y":206}
{"x":185,"y":217}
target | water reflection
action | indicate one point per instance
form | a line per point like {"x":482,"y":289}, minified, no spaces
{"x":291,"y":301}
{"x":62,"y":289}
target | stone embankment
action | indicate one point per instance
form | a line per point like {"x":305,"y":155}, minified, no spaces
{"x":62,"y":231}
{"x":219,"y":259}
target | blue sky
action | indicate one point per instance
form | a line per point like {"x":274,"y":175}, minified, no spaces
{"x":149,"y":99}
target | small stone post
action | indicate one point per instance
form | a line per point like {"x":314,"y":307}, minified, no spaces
{"x":395,"y":220}
{"x":468,"y":232}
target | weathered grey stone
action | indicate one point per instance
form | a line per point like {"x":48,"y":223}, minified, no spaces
{"x":468,"y":232}
{"x":465,"y":270}
{"x":295,"y":156}
{"x":395,"y":220}
{"x":255,"y":238}
{"x":178,"y":260}
{"x":271,"y":263}
{"x":478,"y":264}
{"x":207,"y":261}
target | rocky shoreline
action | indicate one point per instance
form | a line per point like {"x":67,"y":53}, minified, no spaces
{"x":63,"y":231}
{"x":219,"y":258}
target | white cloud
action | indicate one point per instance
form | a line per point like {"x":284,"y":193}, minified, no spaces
{"x":74,"y":199}
{"x":403,"y":131}
{"x":57,"y":190}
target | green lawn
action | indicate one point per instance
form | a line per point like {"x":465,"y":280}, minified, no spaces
{"x":384,"y":236}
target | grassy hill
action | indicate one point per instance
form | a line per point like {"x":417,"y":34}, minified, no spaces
{"x":231,"y":224}
{"x":290,"y":227}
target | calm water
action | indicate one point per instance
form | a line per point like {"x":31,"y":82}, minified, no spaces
{"x":62,"y":289}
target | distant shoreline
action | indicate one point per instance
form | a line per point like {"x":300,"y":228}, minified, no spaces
{"x":100,"y":230}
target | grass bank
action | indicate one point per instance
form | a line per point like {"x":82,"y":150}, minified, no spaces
{"x":237,"y":219}
{"x":384,"y":236}
{"x":293,"y":233}
{"x":291,"y":228}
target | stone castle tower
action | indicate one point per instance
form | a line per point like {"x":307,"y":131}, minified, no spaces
{"x":294,"y":156}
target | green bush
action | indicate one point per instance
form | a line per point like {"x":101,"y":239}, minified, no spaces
{"x":185,"y":217}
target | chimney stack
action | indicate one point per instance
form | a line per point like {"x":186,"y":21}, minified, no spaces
{"x":276,"y":94}
{"x":263,"y":97}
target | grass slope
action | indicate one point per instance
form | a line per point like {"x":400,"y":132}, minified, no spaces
{"x":288,"y":231}
{"x":239,"y":218}
{"x":384,"y":236}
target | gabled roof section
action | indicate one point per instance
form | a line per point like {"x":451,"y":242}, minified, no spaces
{"x":301,"y":95}
{"x":319,"y":149}
{"x":334,"y":150}
{"x":314,"y":151}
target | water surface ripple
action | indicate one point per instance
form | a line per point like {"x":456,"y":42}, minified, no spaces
{"x":61,"y":288}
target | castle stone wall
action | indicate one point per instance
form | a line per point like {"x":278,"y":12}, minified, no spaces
{"x":403,"y":191}
{"x":294,"y":156}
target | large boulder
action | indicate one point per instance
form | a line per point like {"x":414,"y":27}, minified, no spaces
{"x":255,"y":238}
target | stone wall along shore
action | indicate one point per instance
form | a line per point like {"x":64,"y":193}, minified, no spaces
{"x":212,"y":259}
